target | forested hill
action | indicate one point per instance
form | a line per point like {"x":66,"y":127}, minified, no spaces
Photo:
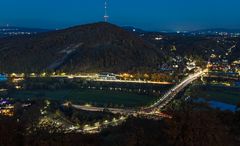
{"x":93,"y":47}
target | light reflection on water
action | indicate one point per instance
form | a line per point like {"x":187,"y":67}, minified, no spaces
{"x":3,"y":78}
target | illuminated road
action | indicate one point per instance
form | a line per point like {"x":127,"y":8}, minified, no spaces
{"x":153,"y":111}
{"x":160,"y":104}
{"x":101,"y":109}
{"x":96,"y":79}
{"x":169,"y":96}
{"x":132,"y":81}
{"x":91,"y":78}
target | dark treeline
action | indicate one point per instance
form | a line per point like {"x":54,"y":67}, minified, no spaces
{"x":188,"y":127}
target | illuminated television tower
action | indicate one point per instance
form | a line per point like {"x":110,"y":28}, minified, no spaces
{"x":106,"y":11}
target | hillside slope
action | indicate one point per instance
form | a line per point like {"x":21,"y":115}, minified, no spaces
{"x":93,"y":47}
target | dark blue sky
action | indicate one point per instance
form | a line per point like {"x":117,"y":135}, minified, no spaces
{"x":146,"y":14}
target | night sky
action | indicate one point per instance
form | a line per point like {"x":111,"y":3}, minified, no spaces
{"x":157,"y":15}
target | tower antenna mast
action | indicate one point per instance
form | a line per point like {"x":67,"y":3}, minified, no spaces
{"x":106,"y":11}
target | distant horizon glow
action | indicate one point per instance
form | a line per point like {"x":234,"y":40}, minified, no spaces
{"x":154,"y":15}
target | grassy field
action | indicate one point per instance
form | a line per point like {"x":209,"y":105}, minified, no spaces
{"x":230,"y":95}
{"x":87,"y":96}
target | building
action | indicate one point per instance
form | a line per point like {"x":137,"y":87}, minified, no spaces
{"x":107,"y":76}
{"x":191,"y":65}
